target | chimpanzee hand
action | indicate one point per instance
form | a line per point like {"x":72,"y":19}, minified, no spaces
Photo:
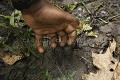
{"x":46,"y":19}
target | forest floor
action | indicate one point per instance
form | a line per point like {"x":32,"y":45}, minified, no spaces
{"x":94,"y":55}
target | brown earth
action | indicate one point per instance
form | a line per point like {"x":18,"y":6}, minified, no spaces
{"x":75,"y":59}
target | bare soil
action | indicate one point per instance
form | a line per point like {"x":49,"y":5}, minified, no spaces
{"x":75,"y":59}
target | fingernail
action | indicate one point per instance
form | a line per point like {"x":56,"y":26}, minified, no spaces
{"x":53,"y":45}
{"x":62,"y":44}
{"x":69,"y":42}
{"x":41,"y":50}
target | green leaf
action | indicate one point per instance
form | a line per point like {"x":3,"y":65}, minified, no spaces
{"x":12,"y":20}
{"x":15,"y":30}
{"x":9,"y":48}
{"x":71,"y":7}
{"x":34,"y":54}
{"x":87,"y":27}
{"x":92,"y":34}
{"x":78,"y":31}
{"x":3,"y":25}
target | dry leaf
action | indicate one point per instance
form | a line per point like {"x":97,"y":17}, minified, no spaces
{"x":11,"y":59}
{"x":107,"y":66}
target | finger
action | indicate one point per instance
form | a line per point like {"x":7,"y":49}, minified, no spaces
{"x":74,"y":21}
{"x":64,"y":38}
{"x":39,"y":43}
{"x":52,"y":35}
{"x":77,"y":25}
{"x":50,"y":30}
{"x":69,"y":29}
{"x":53,"y":40}
{"x":72,"y":38}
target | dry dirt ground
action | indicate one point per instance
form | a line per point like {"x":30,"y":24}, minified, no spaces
{"x":89,"y":58}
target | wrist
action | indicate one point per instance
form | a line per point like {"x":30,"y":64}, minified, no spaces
{"x":26,"y":5}
{"x":33,"y":8}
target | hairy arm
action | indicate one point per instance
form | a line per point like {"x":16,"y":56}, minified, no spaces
{"x":23,"y":4}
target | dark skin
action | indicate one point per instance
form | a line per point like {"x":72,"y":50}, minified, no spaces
{"x":46,"y":19}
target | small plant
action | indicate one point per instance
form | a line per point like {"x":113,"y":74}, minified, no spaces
{"x":18,"y":39}
{"x":68,"y":77}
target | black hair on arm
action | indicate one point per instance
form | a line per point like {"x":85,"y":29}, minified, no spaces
{"x":23,"y":4}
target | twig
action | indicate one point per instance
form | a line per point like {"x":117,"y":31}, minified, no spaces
{"x":86,"y":7}
{"x":103,"y":21}
{"x":114,"y":17}
{"x":4,"y":16}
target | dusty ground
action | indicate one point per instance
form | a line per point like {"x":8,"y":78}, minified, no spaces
{"x":73,"y":60}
